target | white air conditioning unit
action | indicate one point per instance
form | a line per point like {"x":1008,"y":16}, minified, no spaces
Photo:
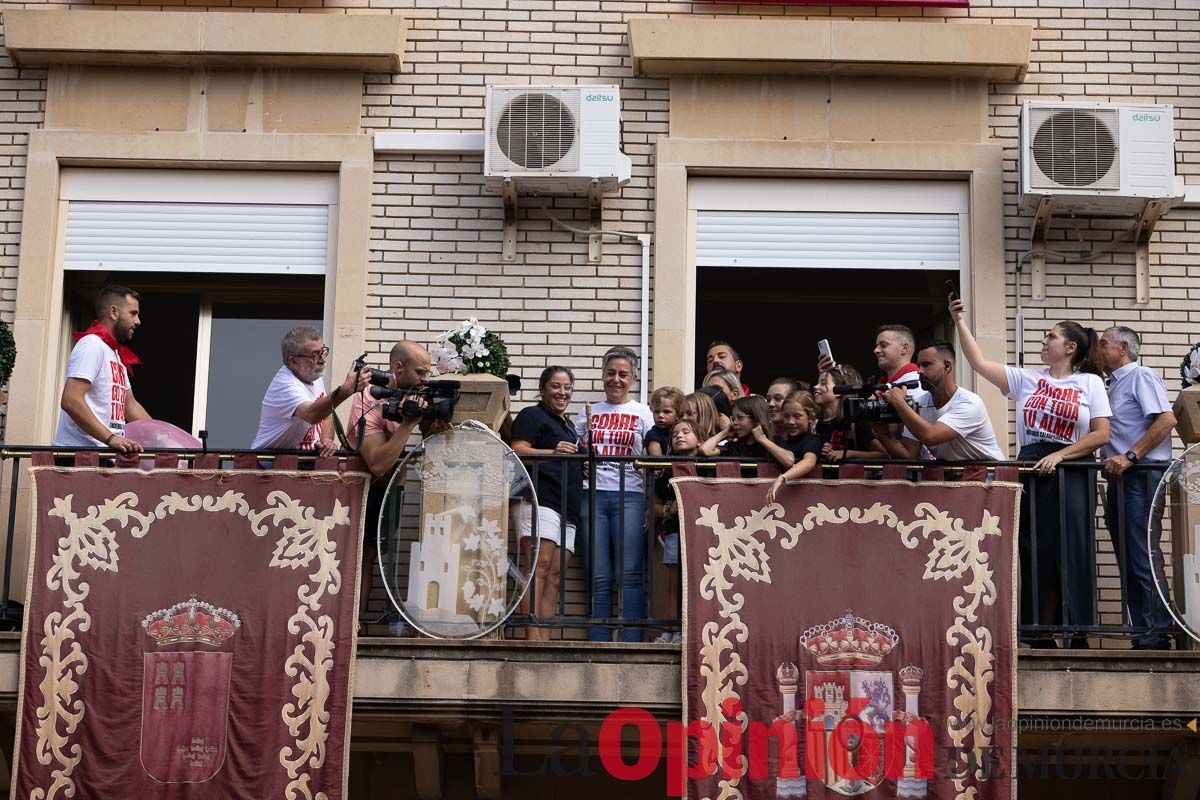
{"x":554,"y":139}
{"x":1097,"y":158}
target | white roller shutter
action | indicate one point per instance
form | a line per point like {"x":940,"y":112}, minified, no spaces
{"x":197,"y":237}
{"x":204,"y":221}
{"x":827,"y":239}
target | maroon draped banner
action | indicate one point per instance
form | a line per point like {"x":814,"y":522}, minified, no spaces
{"x":189,"y":634}
{"x":855,"y":638}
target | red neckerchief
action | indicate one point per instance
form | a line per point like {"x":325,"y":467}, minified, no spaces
{"x":900,"y":373}
{"x":127,"y":356}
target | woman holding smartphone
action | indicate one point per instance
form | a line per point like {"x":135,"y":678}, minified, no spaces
{"x":1062,"y":415}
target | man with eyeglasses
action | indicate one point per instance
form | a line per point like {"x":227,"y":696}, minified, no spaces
{"x":296,"y":412}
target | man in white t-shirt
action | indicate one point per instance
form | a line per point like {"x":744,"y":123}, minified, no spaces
{"x":952,"y":422}
{"x":97,"y":399}
{"x":296,"y":413}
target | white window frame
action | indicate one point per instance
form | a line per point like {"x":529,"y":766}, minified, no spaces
{"x":837,"y":195}
{"x":196,"y":185}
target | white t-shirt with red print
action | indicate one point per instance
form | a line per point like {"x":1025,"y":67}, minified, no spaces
{"x":1056,"y":410}
{"x":98,"y":364}
{"x":616,"y":430}
{"x":278,"y":429}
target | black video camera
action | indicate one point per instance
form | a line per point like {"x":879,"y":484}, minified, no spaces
{"x":431,"y":400}
{"x":434,"y":400}
{"x":865,"y":405}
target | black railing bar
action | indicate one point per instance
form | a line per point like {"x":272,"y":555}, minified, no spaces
{"x":1119,"y":533}
{"x":1035,"y":601}
{"x":648,"y":551}
{"x":1064,"y":565}
{"x":619,"y":568}
{"x":562,"y":535}
{"x":535,"y":547}
{"x":12,"y":530}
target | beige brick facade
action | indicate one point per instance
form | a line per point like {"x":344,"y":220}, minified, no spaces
{"x":435,"y":243}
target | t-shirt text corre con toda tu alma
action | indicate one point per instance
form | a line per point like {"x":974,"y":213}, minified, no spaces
{"x":1055,"y":410}
{"x":616,"y":430}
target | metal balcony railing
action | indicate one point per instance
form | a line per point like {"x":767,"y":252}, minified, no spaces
{"x":576,"y":600}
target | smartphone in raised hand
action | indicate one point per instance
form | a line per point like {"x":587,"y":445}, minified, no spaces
{"x":824,"y":351}
{"x":951,"y":290}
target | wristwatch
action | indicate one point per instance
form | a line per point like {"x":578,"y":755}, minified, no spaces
{"x":1132,"y":456}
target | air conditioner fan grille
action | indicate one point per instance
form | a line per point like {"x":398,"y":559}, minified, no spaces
{"x":1075,"y":148}
{"x":535,"y":131}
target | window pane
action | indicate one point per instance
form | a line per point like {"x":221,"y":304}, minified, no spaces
{"x":243,"y":357}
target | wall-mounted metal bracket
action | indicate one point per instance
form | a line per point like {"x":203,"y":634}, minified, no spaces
{"x":1141,"y":242}
{"x":1037,"y":236}
{"x":595,"y":215}
{"x":508,"y":194}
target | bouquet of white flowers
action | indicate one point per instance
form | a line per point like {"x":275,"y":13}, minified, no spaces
{"x":1189,"y":369}
{"x":470,"y":348}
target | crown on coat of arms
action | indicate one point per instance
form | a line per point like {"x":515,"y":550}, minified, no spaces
{"x":849,"y":641}
{"x":191,"y":621}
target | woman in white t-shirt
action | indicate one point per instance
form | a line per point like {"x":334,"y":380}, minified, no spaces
{"x":1062,"y":415}
{"x":615,"y":427}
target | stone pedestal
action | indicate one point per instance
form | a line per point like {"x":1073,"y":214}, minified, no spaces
{"x":482,"y":397}
{"x":1187,"y":414}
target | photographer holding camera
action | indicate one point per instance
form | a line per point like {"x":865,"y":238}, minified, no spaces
{"x":953,"y":422}
{"x":383,"y":415}
{"x":296,"y":413}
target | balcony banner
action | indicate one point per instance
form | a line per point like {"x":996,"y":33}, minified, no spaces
{"x":189,"y":627}
{"x":855,"y":638}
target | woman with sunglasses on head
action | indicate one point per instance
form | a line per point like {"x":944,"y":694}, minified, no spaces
{"x":1062,"y":415}
{"x":616,"y":427}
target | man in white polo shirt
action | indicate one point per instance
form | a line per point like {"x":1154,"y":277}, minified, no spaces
{"x":97,"y":399}
{"x":1139,"y":433}
{"x":952,"y":421}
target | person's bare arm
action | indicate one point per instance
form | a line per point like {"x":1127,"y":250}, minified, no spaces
{"x":1164,"y":422}
{"x":711,"y":446}
{"x":784,"y":457}
{"x":992,"y":371}
{"x":381,"y":450}
{"x":134,"y":410}
{"x":1096,"y":438}
{"x":798,"y":470}
{"x":896,"y":446}
{"x":74,"y":403}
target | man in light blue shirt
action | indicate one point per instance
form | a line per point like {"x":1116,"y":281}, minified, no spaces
{"x":1140,"y":432}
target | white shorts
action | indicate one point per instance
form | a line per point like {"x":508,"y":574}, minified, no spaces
{"x":549,"y":526}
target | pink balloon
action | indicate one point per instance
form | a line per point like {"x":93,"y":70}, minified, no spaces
{"x":154,"y":433}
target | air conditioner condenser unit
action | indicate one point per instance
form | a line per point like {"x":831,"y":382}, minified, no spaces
{"x":1096,"y":158}
{"x":554,"y":139}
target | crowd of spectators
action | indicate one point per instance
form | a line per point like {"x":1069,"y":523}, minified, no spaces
{"x":1065,"y":411}
{"x":1091,"y":395}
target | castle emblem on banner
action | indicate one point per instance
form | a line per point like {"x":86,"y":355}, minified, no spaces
{"x":185,"y":690}
{"x":846,"y":700}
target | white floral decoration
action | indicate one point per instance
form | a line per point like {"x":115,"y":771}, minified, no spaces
{"x":1189,"y":369}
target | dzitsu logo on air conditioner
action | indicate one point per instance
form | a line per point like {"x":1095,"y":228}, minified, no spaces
{"x":1141,"y":117}
{"x":599,"y":98}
